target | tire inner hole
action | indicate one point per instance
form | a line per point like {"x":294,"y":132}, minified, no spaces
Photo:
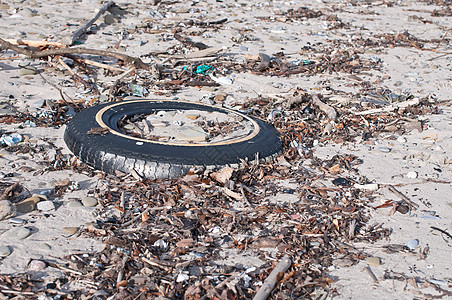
{"x":186,"y":126}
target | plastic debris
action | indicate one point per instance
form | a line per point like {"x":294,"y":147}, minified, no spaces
{"x":367,"y":187}
{"x":11,"y":139}
{"x":273,"y":114}
{"x":204,"y":69}
{"x":29,"y":123}
{"x":221,"y":80}
{"x":302,"y":62}
{"x":138,"y":90}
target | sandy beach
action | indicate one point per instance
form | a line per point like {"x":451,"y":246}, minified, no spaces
{"x":360,"y":202}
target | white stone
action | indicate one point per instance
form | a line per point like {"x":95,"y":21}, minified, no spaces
{"x":89,"y":201}
{"x":4,"y":251}
{"x":45,"y":206}
{"x":412,"y":175}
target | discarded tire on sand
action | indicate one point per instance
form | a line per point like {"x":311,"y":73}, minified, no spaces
{"x":113,"y":150}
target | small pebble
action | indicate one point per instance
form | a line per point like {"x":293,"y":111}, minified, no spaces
{"x":36,"y":265}
{"x":27,"y":71}
{"x":109,"y":19}
{"x":70,"y":230}
{"x":412,"y":175}
{"x":341,"y":181}
{"x":74,"y":203}
{"x":4,"y":251}
{"x":373,"y":261}
{"x":412,"y":244}
{"x":89,"y":201}
{"x":45,"y":206}
{"x":384,"y":149}
{"x":17,"y":233}
{"x":45,"y":246}
{"x":6,"y":209}
{"x":27,"y":205}
{"x":402,"y":139}
{"x":17,"y":221}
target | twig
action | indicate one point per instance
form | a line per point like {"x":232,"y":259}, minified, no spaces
{"x":389,"y":108}
{"x":75,"y":76}
{"x":63,"y":94}
{"x":37,"y":44}
{"x":199,"y":54}
{"x":111,"y":91}
{"x":95,"y":63}
{"x":134,"y":61}
{"x":351,"y":230}
{"x":371,"y":274}
{"x":212,"y":292}
{"x":402,"y":196}
{"x":85,"y":27}
{"x":442,"y":231}
{"x":121,"y":271}
{"x":143,"y":213}
{"x":156,"y":264}
{"x":272,"y":279}
{"x":328,"y":110}
{"x":18,"y":293}
{"x":439,"y":56}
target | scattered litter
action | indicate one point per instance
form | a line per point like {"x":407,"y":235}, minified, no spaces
{"x":11,"y":139}
{"x":221,"y":80}
{"x":138,"y":90}
{"x":204,"y":69}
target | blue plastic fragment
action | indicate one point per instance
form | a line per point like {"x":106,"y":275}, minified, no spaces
{"x":204,"y":69}
{"x":138,"y":90}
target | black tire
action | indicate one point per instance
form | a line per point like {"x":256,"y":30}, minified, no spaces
{"x":115,"y":151}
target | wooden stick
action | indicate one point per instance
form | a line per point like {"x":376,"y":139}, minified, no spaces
{"x":371,"y":274}
{"x":328,"y":110}
{"x":37,"y":44}
{"x":75,"y":76}
{"x":272,"y":279}
{"x":402,"y":196}
{"x":134,"y":61}
{"x":95,"y":63}
{"x":145,"y":212}
{"x":198,"y":54}
{"x":389,"y":108}
{"x":111,"y":91}
{"x":85,"y":27}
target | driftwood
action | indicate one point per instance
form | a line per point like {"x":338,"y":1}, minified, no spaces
{"x":402,"y":196}
{"x":37,"y":44}
{"x":85,"y":61}
{"x":198,"y":54}
{"x":134,"y":61}
{"x":272,"y":279}
{"x":389,"y":108}
{"x":85,"y":27}
{"x":328,"y":110}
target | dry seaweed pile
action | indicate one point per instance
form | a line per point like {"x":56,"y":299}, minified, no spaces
{"x":170,"y":238}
